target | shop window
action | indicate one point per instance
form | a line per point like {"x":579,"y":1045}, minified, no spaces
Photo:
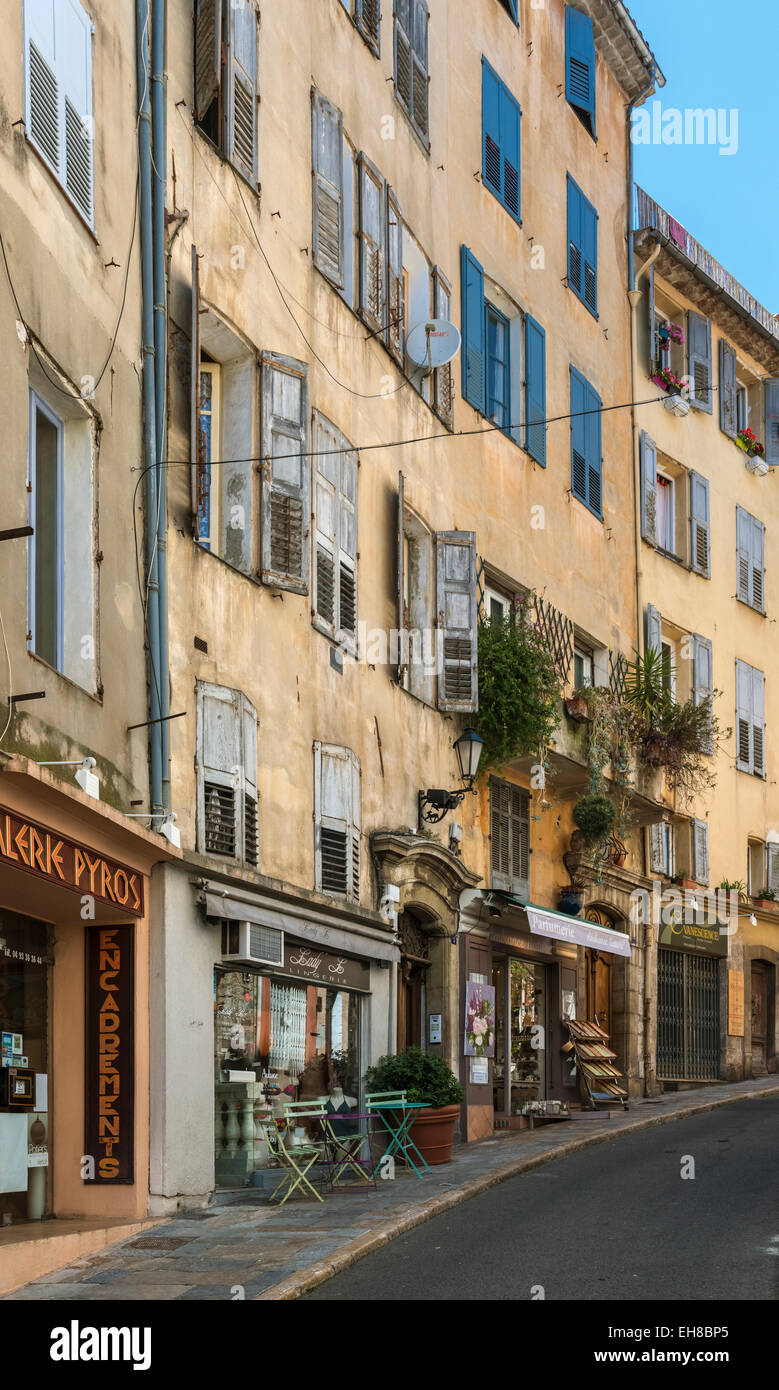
{"x":62,"y":579}
{"x":25,"y":1100}
{"x":226,"y":80}
{"x":334,"y":576}
{"x":337,"y":821}
{"x":227,"y":819}
{"x":58,"y":114}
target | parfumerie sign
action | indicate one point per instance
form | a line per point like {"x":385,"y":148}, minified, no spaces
{"x":53,"y":857}
{"x":110,"y":1048}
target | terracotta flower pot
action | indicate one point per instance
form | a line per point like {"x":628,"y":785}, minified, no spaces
{"x":576,"y":708}
{"x":433,"y":1133}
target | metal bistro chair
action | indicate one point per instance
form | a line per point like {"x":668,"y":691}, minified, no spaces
{"x":295,"y":1159}
{"x":396,"y":1103}
{"x":345,"y":1142}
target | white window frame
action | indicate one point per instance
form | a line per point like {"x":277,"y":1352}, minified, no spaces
{"x":667,"y":542}
{"x":349,"y":825}
{"x":333,"y":545}
{"x":37,"y":404}
{"x":238,"y":777}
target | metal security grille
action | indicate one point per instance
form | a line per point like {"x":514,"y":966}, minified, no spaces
{"x":687,"y":1017}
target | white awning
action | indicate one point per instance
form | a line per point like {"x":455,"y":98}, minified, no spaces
{"x":366,"y":941}
{"x":573,"y":929}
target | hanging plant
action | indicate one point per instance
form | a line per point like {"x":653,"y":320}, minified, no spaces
{"x":519,"y":691}
{"x":676,"y":736}
{"x":595,"y":815}
{"x":612,"y":733}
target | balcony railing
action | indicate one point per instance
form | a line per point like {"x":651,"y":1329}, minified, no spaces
{"x":648,"y":215}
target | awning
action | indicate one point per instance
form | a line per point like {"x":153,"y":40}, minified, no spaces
{"x":368,"y":942}
{"x":561,"y":928}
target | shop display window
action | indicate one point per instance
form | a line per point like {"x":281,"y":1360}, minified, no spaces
{"x":24,"y":1093}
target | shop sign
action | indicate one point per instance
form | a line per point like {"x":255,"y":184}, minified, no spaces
{"x":694,"y":936}
{"x":31,"y":847}
{"x":110,"y":1051}
{"x":306,"y":962}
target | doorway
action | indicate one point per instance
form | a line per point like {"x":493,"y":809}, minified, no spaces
{"x":599,"y":1010}
{"x":759,"y":1000}
{"x":520,"y":1069}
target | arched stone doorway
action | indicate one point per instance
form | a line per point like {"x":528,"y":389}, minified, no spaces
{"x":417,"y":948}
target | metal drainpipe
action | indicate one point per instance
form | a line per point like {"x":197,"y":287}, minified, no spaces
{"x":149,"y":396}
{"x":159,"y":167}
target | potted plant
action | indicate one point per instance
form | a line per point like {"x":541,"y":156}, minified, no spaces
{"x":670,"y":382}
{"x":749,"y":442}
{"x":766,"y":898}
{"x":595,"y":814}
{"x":576,"y":707}
{"x":569,"y":900}
{"x":426,"y":1077}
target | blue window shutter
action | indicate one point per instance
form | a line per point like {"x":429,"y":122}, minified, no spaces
{"x":574,"y":237}
{"x":472,"y":329}
{"x":592,"y":434}
{"x":509,"y":134}
{"x":580,"y":64}
{"x":492,"y":162}
{"x":514,"y":10}
{"x":772,"y":421}
{"x":535,"y":390}
{"x":578,"y":437}
{"x":589,"y":256}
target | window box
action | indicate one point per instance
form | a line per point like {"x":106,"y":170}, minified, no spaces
{"x":748,"y":441}
{"x":668,"y":380}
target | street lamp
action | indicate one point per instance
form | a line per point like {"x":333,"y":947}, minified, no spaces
{"x":436,"y":802}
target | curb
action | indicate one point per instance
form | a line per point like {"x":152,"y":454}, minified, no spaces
{"x":316,"y":1274}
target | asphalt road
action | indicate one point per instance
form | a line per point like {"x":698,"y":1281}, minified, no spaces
{"x":614,"y":1222}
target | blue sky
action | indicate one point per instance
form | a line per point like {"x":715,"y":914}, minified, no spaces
{"x":715,"y":53}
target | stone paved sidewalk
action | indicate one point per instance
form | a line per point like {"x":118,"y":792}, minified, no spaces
{"x":248,"y":1249}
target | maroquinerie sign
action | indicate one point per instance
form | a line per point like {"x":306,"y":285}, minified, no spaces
{"x":309,"y":963}
{"x":110,"y":1051}
{"x":31,"y":847}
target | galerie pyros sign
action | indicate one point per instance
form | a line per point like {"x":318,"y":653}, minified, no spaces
{"x":31,"y":847}
{"x":110,"y":1050}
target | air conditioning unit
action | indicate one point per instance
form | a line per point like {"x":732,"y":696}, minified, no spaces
{"x":249,"y":943}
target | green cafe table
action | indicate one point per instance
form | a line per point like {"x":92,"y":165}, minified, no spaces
{"x":397,"y":1116}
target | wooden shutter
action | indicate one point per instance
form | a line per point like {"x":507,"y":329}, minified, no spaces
{"x":443,"y":386}
{"x":509,"y":838}
{"x":285,"y":491}
{"x":403,"y":78}
{"x":492,"y":162}
{"x":744,"y":549}
{"x":367,"y":17}
{"x":334,"y":467}
{"x":580,"y":63}
{"x":219,"y":771}
{"x":457,"y":620}
{"x":419,"y":111}
{"x":590,"y":256}
{"x":658,"y":846}
{"x":652,"y":343}
{"x":249,"y":808}
{"x":242,"y":90}
{"x":578,"y":437}
{"x":758,"y":723}
{"x":648,"y":454}
{"x":727,"y":389}
{"x":472,"y":329}
{"x":395,"y":331}
{"x":703,"y":677}
{"x":700,"y":851}
{"x":337,"y":820}
{"x":401,"y":587}
{"x":757,"y":565}
{"x":743,"y":716}
{"x":772,"y":867}
{"x":654,"y":629}
{"x":700,"y":531}
{"x":199,"y":478}
{"x":58,"y":95}
{"x":772,"y":421}
{"x":510,"y":121}
{"x":208,"y":54}
{"x":699,"y":343}
{"x":372,"y":241}
{"x":535,"y":390}
{"x":592,"y":426}
{"x":574,"y":237}
{"x":328,"y":232}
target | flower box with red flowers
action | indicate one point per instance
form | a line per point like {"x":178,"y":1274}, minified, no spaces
{"x":748,"y":441}
{"x":669,"y":381}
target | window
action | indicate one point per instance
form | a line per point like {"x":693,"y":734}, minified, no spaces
{"x":224,"y":385}
{"x":763,"y":867}
{"x":500,"y":118}
{"x":334,"y":579}
{"x":699,"y":360}
{"x":226,"y":774}
{"x":367,"y":18}
{"x":691,"y":850}
{"x":582,"y":248}
{"x":503,"y":359}
{"x":586,"y":462}
{"x":742,"y":407}
{"x":580,"y":66}
{"x":62,"y":577}
{"x":691,"y":677}
{"x":751,"y":564}
{"x":512,"y":6}
{"x":499,"y":605}
{"x":675,"y":508}
{"x":666,"y":332}
{"x":583,"y":667}
{"x":750,"y":720}
{"x":411,"y":76}
{"x":660,"y":849}
{"x":58,"y":93}
{"x":437,"y":612}
{"x":285,"y":506}
{"x":226,"y":79}
{"x":337,"y":821}
{"x":509,"y":838}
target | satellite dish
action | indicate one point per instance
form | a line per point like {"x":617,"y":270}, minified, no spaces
{"x":433,"y":343}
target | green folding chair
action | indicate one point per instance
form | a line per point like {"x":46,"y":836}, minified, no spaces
{"x":295,"y":1159}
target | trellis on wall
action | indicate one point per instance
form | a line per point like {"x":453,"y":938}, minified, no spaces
{"x":557,"y":632}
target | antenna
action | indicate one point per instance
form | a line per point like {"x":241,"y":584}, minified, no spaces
{"x":433,"y":343}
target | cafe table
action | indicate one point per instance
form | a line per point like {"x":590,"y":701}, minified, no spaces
{"x":398,"y":1115}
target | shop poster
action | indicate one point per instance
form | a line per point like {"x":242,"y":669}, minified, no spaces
{"x":479,"y":1019}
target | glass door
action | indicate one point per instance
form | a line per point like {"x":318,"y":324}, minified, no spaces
{"x":527,"y":1007}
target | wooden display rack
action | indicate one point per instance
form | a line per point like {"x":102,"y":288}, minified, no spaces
{"x":595,"y":1063}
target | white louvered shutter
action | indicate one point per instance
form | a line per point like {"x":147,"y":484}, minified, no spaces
{"x":702,"y":677}
{"x":58,"y":93}
{"x":700,"y":848}
{"x":758,"y":723}
{"x":400,"y":575}
{"x":757,"y":565}
{"x":335,"y":476}
{"x":286,"y":474}
{"x":249,"y":807}
{"x":700,"y":530}
{"x":443,"y":391}
{"x":699,"y":344}
{"x":208,"y":54}
{"x":372,"y":244}
{"x":337,"y":820}
{"x":657,"y":848}
{"x":743,"y":716}
{"x":395,"y":330}
{"x":772,"y":867}
{"x":242,"y":90}
{"x":457,"y":619}
{"x":648,"y":450}
{"x":220,"y":771}
{"x":328,"y":231}
{"x":744,"y":548}
{"x":727,"y":387}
